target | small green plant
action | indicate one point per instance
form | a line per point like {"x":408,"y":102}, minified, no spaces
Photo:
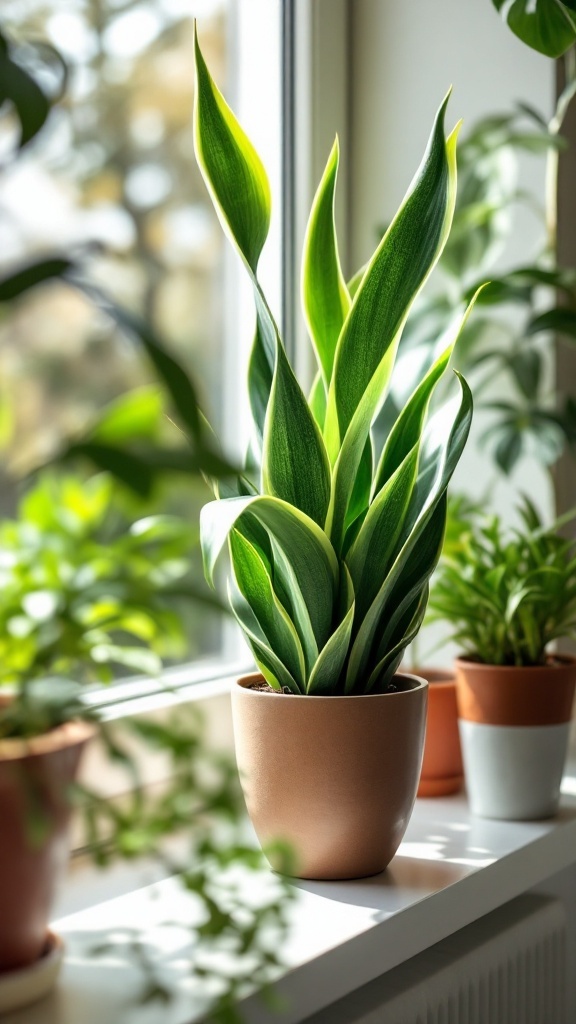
{"x":507,"y":595}
{"x":333,"y":548}
{"x":83,"y":593}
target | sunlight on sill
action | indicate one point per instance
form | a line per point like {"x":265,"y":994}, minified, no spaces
{"x":568,"y":786}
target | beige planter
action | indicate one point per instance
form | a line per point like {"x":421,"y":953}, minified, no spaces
{"x":334,"y":777}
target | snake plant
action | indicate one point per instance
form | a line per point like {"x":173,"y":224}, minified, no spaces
{"x":332,"y":552}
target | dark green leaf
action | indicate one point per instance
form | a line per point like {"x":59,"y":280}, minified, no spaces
{"x":547,"y":26}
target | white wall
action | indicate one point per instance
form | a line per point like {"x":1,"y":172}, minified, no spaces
{"x":406,"y":53}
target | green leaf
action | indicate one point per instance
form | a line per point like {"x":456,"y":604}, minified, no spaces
{"x":371,"y":552}
{"x":177,"y":382}
{"x":287,"y":586}
{"x":137,"y":414}
{"x":305,"y":546}
{"x":547,"y":26}
{"x":328,"y":668}
{"x":396,"y":273}
{"x":239,"y":188}
{"x":367,"y":345}
{"x":33,"y":274}
{"x":269,"y":664}
{"x":508,"y":449}
{"x":255,"y":585}
{"x":427,"y":496}
{"x":295,"y":465}
{"x":407,"y":429}
{"x":382,"y":674}
{"x":231,"y":167}
{"x":325,"y":297}
{"x":562,"y":321}
{"x":526,"y":367}
{"x":317,"y":400}
{"x":19,"y":88}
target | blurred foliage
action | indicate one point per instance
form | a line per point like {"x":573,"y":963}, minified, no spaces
{"x":506,"y":595}
{"x":113,"y":165}
{"x":548,"y":26}
{"x":503,"y":349}
{"x":83,"y":592}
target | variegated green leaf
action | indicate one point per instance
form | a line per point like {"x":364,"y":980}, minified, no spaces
{"x":255,"y":584}
{"x":325,"y":297}
{"x":231,"y":167}
{"x":370,"y":556}
{"x":305,"y":545}
{"x":328,"y":668}
{"x":295,"y":465}
{"x":381,"y":676}
{"x":407,"y":430}
{"x":317,"y":400}
{"x":239,"y":188}
{"x":396,"y":273}
{"x":267,"y":661}
{"x":448,"y":453}
{"x":288,"y":588}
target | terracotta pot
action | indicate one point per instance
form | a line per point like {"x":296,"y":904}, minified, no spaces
{"x":442,"y":770}
{"x":35,"y":777}
{"x":514,"y":727}
{"x":334,"y":777}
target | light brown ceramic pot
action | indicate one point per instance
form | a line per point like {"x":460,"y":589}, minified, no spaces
{"x":334,"y":777}
{"x":35,"y":779}
{"x":514,"y":727}
{"x":442,"y":771}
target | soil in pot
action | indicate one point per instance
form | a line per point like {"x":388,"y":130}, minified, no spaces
{"x":514,"y":727}
{"x":442,"y":770}
{"x":35,"y":780}
{"x":333,"y":777}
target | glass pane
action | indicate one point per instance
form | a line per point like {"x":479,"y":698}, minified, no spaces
{"x":114,"y":166}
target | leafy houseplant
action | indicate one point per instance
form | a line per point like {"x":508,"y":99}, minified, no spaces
{"x":332,"y":548}
{"x":506,"y":599}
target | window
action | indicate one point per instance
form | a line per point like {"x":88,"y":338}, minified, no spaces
{"x":116,"y":166}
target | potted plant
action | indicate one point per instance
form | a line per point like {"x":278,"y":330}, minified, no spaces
{"x":76,"y":599}
{"x":506,"y":598}
{"x":333,"y":545}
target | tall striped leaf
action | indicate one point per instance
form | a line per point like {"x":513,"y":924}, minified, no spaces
{"x":255,"y":585}
{"x":449,"y":452}
{"x":357,"y":390}
{"x":239,"y":188}
{"x":371,"y":553}
{"x":287,"y":586}
{"x":325,"y":296}
{"x":231,"y":167}
{"x":317,"y":400}
{"x":305,"y":545}
{"x":381,"y":675}
{"x":331,"y":660}
{"x":396,"y":273}
{"x":295,"y":465}
{"x":270,"y":665}
{"x":408,"y":427}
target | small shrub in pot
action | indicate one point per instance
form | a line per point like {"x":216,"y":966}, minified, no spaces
{"x":506,"y":597}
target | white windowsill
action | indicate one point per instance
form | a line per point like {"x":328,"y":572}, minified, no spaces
{"x":450,"y":870}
